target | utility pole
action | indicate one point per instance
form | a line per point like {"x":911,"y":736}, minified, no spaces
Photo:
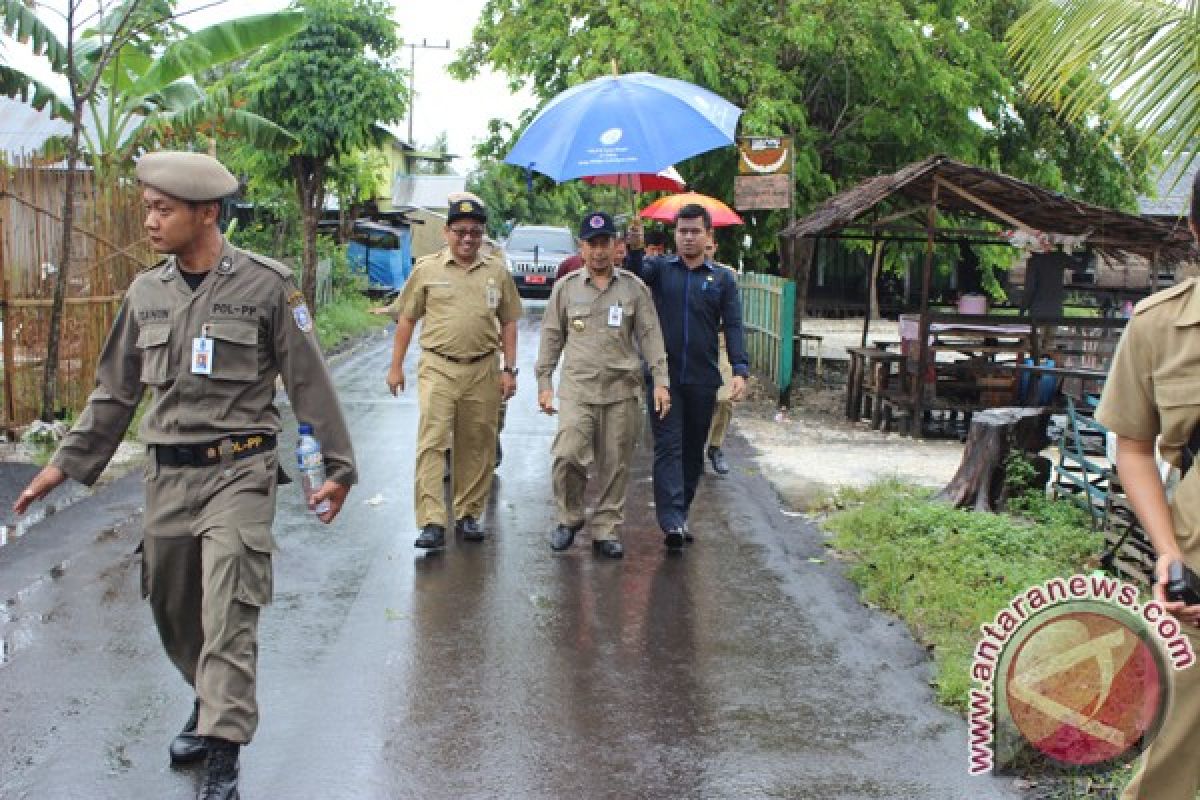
{"x":412,"y":71}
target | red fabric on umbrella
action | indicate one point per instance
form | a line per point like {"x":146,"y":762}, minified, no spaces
{"x":666,"y":181}
{"x":665,"y":209}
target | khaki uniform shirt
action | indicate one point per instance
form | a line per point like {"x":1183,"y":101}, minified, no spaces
{"x":460,"y":306}
{"x":259,"y":329}
{"x":595,"y":332}
{"x":1153,"y":389}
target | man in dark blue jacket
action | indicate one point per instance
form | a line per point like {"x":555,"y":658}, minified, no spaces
{"x":694,"y":299}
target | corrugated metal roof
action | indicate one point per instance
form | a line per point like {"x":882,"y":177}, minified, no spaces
{"x":1174,"y":190}
{"x":24,"y":130}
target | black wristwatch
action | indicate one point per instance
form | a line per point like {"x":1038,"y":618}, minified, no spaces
{"x":510,"y":370}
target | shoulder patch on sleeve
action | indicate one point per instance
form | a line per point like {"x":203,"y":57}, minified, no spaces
{"x":283,"y":269}
{"x":1166,"y":294}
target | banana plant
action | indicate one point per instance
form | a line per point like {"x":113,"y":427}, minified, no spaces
{"x":144,"y":81}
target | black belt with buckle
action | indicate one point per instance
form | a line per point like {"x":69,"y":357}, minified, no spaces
{"x":206,"y":455}
{"x":461,"y":359}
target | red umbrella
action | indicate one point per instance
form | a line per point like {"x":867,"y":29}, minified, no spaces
{"x":666,"y":181}
{"x":665,"y":209}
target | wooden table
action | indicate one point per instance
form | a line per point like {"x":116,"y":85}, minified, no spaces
{"x":808,"y":346}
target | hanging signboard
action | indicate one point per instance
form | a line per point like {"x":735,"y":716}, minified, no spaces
{"x":764,"y":155}
{"x":762,"y":192}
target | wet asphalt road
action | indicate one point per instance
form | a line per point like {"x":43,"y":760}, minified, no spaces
{"x":493,"y":670}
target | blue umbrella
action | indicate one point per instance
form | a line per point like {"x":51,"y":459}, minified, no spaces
{"x":624,"y":124}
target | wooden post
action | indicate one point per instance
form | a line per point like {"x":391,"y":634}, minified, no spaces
{"x":872,"y":283}
{"x":916,"y":429}
{"x":10,"y":409}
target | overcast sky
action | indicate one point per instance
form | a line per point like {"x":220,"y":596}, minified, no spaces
{"x":441,"y":103}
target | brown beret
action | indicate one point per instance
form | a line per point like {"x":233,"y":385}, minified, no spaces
{"x":188,"y":176}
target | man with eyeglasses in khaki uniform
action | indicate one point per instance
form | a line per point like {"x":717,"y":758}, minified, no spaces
{"x":459,"y":295}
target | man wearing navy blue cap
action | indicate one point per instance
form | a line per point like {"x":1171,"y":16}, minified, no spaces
{"x":596,"y":320}
{"x":694,"y":299}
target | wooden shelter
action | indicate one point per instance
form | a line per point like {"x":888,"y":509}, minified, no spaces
{"x":941,"y":201}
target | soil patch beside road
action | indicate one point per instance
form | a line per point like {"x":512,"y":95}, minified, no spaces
{"x":811,"y":449}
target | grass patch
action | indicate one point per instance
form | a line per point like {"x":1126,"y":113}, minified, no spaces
{"x":345,"y":318}
{"x":946,"y":571}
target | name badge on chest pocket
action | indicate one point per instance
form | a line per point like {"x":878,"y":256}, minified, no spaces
{"x":202,"y":353}
{"x":615,"y":315}
{"x":493,"y":295}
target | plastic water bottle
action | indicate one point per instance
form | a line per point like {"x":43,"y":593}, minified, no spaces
{"x":311,"y":465}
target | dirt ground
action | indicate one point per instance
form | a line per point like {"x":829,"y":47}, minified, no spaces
{"x":811,"y":449}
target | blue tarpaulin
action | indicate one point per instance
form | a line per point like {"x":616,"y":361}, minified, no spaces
{"x":383,"y":253}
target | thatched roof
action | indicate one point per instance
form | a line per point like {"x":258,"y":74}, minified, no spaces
{"x":974,"y":191}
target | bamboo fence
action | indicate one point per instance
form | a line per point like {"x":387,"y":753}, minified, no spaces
{"x":108,"y":249}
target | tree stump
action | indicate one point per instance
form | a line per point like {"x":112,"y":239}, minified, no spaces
{"x":994,"y":433}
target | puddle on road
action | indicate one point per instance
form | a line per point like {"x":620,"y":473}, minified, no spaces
{"x":10,"y":533}
{"x":21,"y":634}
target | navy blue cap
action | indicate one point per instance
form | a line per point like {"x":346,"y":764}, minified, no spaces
{"x":596,"y":223}
{"x":466,"y":208}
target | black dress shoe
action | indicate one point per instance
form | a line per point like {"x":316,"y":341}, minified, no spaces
{"x":674,"y":539}
{"x":431,"y":537}
{"x":687,"y":534}
{"x":562,"y":537}
{"x":719,"y":464}
{"x":187,"y":747}
{"x":220,"y":771}
{"x":610,"y":548}
{"x":470,"y":529}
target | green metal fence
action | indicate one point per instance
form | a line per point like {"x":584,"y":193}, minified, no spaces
{"x":769,"y":317}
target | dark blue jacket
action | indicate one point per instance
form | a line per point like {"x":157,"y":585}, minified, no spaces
{"x":693,"y":305}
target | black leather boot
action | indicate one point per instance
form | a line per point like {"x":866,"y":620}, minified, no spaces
{"x":187,"y":747}
{"x":220,"y":771}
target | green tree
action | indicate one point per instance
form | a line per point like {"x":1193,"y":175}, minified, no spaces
{"x":129,"y":72}
{"x":863,"y":86}
{"x":328,"y":86}
{"x":1136,"y":61}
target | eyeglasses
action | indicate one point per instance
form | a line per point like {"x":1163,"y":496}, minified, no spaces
{"x":467,"y":233}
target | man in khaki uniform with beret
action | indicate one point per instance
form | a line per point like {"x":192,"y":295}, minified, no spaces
{"x":461,"y":295}
{"x":208,"y":330}
{"x":1151,"y":394}
{"x":597,"y":319}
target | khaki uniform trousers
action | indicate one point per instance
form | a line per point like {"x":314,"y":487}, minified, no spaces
{"x":1170,"y":767}
{"x":603,"y":434}
{"x":723,"y":410}
{"x":206,"y":570}
{"x":460,"y":407}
